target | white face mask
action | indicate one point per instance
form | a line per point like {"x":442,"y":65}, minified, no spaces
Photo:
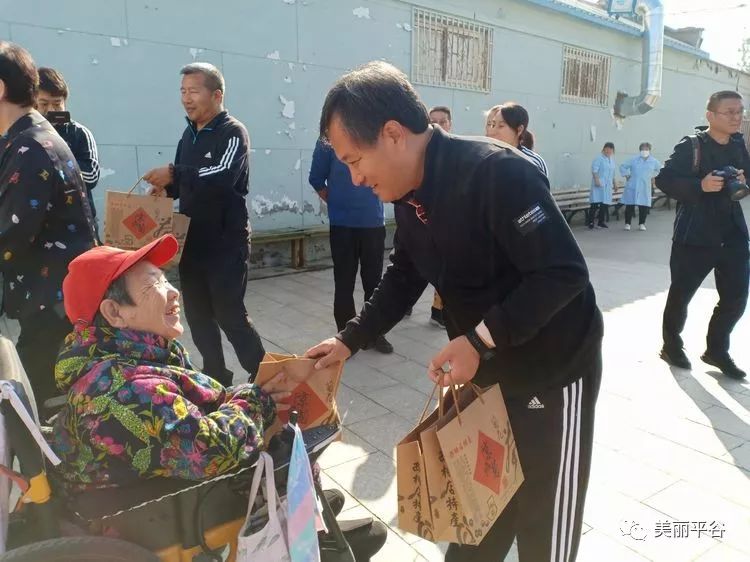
{"x":645,"y":153}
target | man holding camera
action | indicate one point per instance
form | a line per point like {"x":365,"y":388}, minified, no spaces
{"x":50,"y":102}
{"x":710,"y":232}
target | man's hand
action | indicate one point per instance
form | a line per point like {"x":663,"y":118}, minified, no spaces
{"x":159,"y":178}
{"x":323,"y":194}
{"x":712,"y":183}
{"x":157,"y":191}
{"x":741,"y":176}
{"x":328,"y":352}
{"x":462,"y":359}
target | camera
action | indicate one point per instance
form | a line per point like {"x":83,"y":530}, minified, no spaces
{"x":736,"y":189}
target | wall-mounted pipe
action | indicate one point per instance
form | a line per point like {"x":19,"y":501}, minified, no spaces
{"x":652,"y":12}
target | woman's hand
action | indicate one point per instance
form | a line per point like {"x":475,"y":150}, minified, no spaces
{"x":279,"y":388}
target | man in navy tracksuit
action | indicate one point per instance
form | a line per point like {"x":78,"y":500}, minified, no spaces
{"x":210,"y":177}
{"x":357,"y":234}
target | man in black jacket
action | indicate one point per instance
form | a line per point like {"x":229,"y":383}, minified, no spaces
{"x":476,"y":220}
{"x":210,"y":177}
{"x":45,"y":220}
{"x":53,"y":96}
{"x":710,"y":232}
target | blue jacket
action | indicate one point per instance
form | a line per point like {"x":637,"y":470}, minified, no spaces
{"x":348,"y":204}
{"x":640,"y":172}
{"x":605,"y":168}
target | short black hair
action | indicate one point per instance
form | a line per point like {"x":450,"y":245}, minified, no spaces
{"x":368,"y":97}
{"x":213,"y":78}
{"x":18,"y":73}
{"x":609,"y":145}
{"x":442,"y":108}
{"x":118,"y":292}
{"x":644,"y":144}
{"x":717,"y":97}
{"x":52,"y":82}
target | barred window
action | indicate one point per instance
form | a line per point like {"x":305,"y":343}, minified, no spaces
{"x":585,"y":76}
{"x":451,"y":52}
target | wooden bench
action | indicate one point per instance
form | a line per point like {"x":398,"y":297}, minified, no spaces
{"x":297,"y":238}
{"x":572,"y":201}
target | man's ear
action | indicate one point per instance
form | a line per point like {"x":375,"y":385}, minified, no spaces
{"x":393,"y":132}
{"x":110,"y":310}
{"x":218,"y":97}
{"x":2,"y":90}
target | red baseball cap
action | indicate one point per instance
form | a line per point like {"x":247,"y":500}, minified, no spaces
{"x":90,"y":274}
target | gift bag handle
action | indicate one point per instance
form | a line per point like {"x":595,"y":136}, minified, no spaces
{"x":429,"y":401}
{"x":259,"y":469}
{"x":265,"y":465}
{"x":135,"y":185}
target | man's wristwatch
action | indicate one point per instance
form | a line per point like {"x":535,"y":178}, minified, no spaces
{"x":485,"y":353}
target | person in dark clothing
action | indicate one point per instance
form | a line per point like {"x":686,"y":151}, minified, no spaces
{"x":357,"y":235}
{"x":45,"y":220}
{"x":210,"y":177}
{"x":710,"y":232}
{"x":476,"y":219}
{"x":53,"y":96}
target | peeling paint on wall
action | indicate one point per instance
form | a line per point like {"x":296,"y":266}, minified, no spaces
{"x":105,"y":172}
{"x":297,"y":164}
{"x":94,"y":60}
{"x":194,"y":52}
{"x":268,"y":151}
{"x":288,"y":110}
{"x":263,"y":207}
{"x":115,"y":41}
{"x":361,"y":12}
{"x":288,"y":79}
{"x":275,"y":55}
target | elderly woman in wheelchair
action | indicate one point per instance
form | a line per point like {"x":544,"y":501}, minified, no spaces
{"x":140,"y":422}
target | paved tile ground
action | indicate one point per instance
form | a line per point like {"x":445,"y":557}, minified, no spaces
{"x":670,"y":446}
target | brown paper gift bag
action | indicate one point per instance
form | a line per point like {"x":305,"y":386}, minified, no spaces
{"x":449,"y":522}
{"x":314,"y":396}
{"x":414,"y":513}
{"x":482,"y":459}
{"x":132,"y":221}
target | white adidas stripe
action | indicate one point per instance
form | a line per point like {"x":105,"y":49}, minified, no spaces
{"x":93,"y":175}
{"x":226,"y":159}
{"x":564,"y":517}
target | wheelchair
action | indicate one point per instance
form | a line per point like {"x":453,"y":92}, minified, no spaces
{"x":158,"y":519}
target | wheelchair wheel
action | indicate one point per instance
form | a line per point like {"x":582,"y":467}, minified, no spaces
{"x":80,"y":549}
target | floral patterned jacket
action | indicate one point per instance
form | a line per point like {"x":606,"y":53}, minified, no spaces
{"x":138,"y":409}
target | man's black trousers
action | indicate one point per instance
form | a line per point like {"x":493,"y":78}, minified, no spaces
{"x":689,"y":266}
{"x":352,"y":249}
{"x":38,"y":345}
{"x":213,"y":293}
{"x":554,"y":432}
